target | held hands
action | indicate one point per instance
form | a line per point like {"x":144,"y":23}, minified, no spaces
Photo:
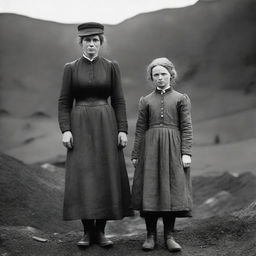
{"x":122,"y":139}
{"x":186,"y":160}
{"x":67,"y":139}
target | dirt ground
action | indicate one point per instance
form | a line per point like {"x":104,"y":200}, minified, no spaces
{"x":211,"y":237}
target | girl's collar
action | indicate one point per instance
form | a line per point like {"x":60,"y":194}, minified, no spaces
{"x":163,"y":91}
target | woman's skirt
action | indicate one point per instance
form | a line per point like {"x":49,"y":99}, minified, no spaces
{"x":96,"y":184}
{"x":161,"y":183}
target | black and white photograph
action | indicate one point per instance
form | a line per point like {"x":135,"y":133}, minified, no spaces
{"x":128,"y":128}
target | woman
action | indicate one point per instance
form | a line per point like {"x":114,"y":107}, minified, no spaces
{"x":162,"y":155}
{"x":94,"y":133}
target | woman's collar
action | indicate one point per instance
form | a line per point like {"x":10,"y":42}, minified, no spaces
{"x":91,"y":60}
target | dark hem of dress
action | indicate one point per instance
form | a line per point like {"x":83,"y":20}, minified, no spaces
{"x":130,"y":214}
{"x":177,"y":214}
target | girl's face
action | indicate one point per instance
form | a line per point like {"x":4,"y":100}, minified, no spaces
{"x":91,"y":46}
{"x":161,"y":77}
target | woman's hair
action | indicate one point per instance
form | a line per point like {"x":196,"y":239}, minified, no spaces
{"x":164,"y":62}
{"x":101,"y":36}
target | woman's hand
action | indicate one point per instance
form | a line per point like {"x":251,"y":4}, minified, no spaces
{"x":186,"y":160}
{"x":135,"y":162}
{"x":67,"y":139}
{"x":122,"y":139}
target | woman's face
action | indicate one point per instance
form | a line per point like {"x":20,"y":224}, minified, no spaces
{"x":91,"y":46}
{"x":161,"y":77}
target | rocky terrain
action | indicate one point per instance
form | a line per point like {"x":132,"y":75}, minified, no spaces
{"x":224,"y":221}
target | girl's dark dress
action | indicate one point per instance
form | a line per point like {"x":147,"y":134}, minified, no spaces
{"x":96,"y":185}
{"x":163,"y":135}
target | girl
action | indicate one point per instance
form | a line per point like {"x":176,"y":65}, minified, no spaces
{"x":162,"y":155}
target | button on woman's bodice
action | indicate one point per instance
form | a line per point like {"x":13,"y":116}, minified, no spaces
{"x":92,"y":79}
{"x":88,"y":81}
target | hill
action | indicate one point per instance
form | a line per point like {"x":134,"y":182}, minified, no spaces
{"x":202,"y":40}
{"x":211,"y":44}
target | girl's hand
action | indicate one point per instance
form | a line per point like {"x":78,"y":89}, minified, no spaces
{"x":186,"y":160}
{"x":122,"y":139}
{"x":135,"y":162}
{"x":67,"y":139}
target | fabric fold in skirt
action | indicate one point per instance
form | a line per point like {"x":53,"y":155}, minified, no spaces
{"x":96,"y":185}
{"x":161,"y":184}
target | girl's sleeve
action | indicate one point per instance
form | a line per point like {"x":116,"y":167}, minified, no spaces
{"x":117,"y":99}
{"x":185,"y":125}
{"x":141,"y":127}
{"x":65,"y":102}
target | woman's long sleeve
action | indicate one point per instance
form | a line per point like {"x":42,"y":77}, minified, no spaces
{"x":185,"y":125}
{"x":117,"y":99}
{"x":141,"y":127}
{"x":65,"y":100}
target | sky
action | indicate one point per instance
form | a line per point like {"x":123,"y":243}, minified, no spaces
{"x":77,"y":11}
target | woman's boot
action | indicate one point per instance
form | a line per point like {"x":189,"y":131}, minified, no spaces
{"x":150,"y":242}
{"x":102,"y":240}
{"x":170,"y":243}
{"x":87,"y":238}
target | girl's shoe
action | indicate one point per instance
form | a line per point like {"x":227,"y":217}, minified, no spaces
{"x":150,"y":242}
{"x":103,"y":241}
{"x":85,"y":241}
{"x":172,"y":245}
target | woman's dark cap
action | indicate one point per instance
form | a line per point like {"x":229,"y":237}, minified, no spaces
{"x":90,"y":28}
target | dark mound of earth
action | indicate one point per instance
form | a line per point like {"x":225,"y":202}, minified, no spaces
{"x":33,"y":196}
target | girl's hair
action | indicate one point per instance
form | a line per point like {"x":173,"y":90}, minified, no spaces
{"x":164,"y":62}
{"x":101,"y":36}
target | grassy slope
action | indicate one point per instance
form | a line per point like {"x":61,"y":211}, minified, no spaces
{"x":212,"y":70}
{"x":30,"y":73}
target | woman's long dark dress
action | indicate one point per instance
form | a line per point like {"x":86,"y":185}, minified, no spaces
{"x":96,"y":185}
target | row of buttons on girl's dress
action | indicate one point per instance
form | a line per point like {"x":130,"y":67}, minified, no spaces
{"x":162,"y":107}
